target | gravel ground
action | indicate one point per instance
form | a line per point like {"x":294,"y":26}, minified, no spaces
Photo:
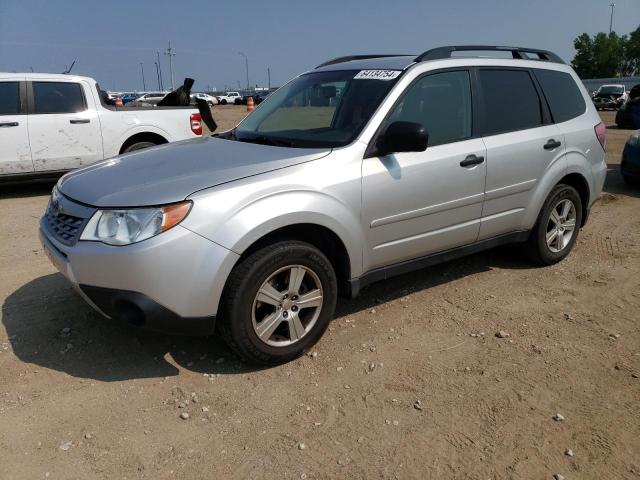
{"x":482,"y":368}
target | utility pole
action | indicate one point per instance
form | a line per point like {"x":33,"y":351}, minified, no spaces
{"x":161,"y":87}
{"x":246,"y":66}
{"x":269,"y":77}
{"x":158,"y":75}
{"x":612,"y":5}
{"x":144,"y":85}
{"x":170,"y":53}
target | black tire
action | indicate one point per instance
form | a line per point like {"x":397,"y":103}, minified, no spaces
{"x":235,"y":322}
{"x":138,"y":146}
{"x":223,"y":102}
{"x":537,"y":246}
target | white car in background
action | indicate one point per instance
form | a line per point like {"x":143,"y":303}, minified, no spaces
{"x":229,"y":97}
{"x":210,"y":99}
{"x":151,"y":98}
{"x":53,"y":123}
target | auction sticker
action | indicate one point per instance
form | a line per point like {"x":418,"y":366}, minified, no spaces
{"x":377,"y":74}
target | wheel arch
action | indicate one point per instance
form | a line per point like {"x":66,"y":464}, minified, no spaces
{"x":146,"y":136}
{"x":579,"y":182}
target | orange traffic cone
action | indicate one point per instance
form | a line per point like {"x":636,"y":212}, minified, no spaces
{"x":119,"y":102}
{"x":250,"y":105}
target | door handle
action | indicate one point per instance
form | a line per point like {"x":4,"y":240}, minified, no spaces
{"x":551,"y":144}
{"x":79,"y":120}
{"x":8,"y":124}
{"x":471,"y":160}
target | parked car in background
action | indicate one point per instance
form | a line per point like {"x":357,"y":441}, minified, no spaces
{"x":150,"y":98}
{"x":628,"y":115}
{"x":418,"y":160}
{"x":630,"y":164}
{"x":609,"y":96}
{"x":210,"y":99}
{"x":129,"y":97}
{"x":257,"y":96}
{"x":229,"y":98}
{"x":54,"y":123}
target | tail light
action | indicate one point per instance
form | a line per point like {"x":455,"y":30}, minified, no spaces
{"x":601,"y":133}
{"x":196,"y":123}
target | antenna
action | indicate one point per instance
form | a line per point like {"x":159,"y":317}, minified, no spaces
{"x":68,"y":70}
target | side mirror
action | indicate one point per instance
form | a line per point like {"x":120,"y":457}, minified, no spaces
{"x":403,"y":137}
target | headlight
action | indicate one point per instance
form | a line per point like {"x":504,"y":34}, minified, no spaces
{"x":123,"y":227}
{"x":634,"y":140}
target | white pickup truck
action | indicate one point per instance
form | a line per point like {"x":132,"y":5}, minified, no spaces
{"x":53,"y":123}
{"x":229,"y":97}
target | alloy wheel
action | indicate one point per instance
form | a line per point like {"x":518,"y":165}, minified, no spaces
{"x":561,"y":225}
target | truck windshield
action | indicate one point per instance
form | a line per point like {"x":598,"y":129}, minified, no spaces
{"x":318,"y":109}
{"x":611,"y":90}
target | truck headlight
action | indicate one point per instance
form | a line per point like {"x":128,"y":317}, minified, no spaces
{"x":123,"y":227}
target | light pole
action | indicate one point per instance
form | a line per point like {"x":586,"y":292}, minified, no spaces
{"x":612,"y":5}
{"x":170,"y":53}
{"x":144,"y":86}
{"x":158,"y":75}
{"x":160,"y":71}
{"x":269,"y":77}
{"x":246,"y":66}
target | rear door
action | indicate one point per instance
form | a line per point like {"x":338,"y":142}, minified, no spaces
{"x":64,"y":130}
{"x":417,"y":203}
{"x":15,"y":153}
{"x":521,"y":142}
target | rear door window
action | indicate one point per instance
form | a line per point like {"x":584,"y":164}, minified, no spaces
{"x":511,"y":101}
{"x":58,"y":97}
{"x":563,"y":95}
{"x":9,"y":98}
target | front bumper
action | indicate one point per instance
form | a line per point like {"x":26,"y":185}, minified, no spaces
{"x":169,"y":283}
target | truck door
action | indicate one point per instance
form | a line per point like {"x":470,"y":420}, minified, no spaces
{"x":15,"y":154}
{"x":63,"y":125}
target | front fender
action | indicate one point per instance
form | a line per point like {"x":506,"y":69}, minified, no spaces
{"x":238,"y":228}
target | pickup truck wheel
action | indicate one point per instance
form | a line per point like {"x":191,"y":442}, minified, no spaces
{"x":557,"y":228}
{"x":223,"y":102}
{"x":138,"y":146}
{"x":278,"y":302}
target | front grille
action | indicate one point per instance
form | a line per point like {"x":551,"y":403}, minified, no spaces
{"x":65,"y":228}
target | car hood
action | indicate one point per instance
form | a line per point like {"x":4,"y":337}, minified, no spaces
{"x":171,"y":172}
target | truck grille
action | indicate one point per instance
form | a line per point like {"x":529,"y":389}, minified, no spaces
{"x":65,"y":228}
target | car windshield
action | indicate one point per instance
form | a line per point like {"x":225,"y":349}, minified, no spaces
{"x":318,"y":109}
{"x":611,"y":89}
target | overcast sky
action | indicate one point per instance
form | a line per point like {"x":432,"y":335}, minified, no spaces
{"x":109,"y":39}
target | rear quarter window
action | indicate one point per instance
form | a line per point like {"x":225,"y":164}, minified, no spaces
{"x":563,"y":95}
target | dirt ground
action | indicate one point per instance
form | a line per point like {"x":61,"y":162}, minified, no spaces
{"x":409,"y":382}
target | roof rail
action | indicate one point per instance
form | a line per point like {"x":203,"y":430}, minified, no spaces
{"x":517,"y":52}
{"x":354,"y":57}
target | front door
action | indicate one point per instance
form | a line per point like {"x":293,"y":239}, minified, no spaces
{"x":15,"y":153}
{"x":64,"y":132}
{"x":418,"y":203}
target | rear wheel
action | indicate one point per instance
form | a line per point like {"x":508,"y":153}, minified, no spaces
{"x":278,"y":302}
{"x":223,"y":102}
{"x":557,"y":227}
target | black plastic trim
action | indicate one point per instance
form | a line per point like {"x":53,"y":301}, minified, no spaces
{"x":349,"y":58}
{"x":141,"y":311}
{"x":419,"y":263}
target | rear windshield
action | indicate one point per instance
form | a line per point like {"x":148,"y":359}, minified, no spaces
{"x":611,"y":90}
{"x":318,"y":109}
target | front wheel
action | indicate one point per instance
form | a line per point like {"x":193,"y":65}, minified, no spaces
{"x":278,"y":302}
{"x":557,"y":228}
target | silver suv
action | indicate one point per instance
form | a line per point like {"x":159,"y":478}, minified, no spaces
{"x":363,"y":168}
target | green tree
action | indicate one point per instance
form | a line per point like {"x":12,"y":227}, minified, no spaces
{"x":605,"y":55}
